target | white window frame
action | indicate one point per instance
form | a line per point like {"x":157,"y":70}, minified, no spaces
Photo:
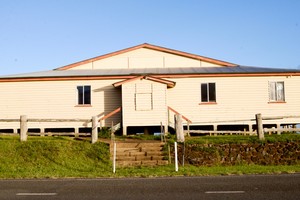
{"x":83,"y":95}
{"x":276,"y":91}
{"x":208,"y":93}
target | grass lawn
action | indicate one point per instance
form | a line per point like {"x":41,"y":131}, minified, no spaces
{"x":65,"y":157}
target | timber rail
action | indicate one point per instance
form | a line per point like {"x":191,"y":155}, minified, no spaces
{"x":23,"y":120}
{"x":278,"y":129}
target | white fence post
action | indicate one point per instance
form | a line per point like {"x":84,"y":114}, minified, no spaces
{"x":114,"y":157}
{"x":176,"y":157}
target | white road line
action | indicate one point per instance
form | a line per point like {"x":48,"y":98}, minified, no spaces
{"x":224,"y":192}
{"x":36,"y":194}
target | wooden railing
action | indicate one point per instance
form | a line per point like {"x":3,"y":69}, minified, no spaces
{"x":23,"y":120}
{"x":210,"y":132}
{"x":278,"y":130}
{"x":110,"y":114}
{"x":183,"y":117}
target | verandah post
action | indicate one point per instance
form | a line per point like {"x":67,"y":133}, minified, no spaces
{"x":23,"y":128}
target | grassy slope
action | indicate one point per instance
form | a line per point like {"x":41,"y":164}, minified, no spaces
{"x":52,"y":157}
{"x":59,"y":157}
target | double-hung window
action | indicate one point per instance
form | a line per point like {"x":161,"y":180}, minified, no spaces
{"x":208,"y":92}
{"x":84,"y":95}
{"x":276,"y":91}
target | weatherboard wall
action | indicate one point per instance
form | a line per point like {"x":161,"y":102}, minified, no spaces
{"x":238,"y":98}
{"x":57,"y":100}
{"x":144,"y":58}
{"x":144,"y":115}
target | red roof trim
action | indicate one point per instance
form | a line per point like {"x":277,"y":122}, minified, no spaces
{"x":117,"y":84}
{"x":170,"y":84}
{"x":152,"y":47}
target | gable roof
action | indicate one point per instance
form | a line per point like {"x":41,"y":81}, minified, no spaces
{"x":152,"y":47}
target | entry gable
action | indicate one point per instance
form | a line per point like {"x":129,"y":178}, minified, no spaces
{"x":146,"y":56}
{"x":170,"y":84}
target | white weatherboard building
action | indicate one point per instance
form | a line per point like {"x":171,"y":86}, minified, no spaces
{"x":144,"y":86}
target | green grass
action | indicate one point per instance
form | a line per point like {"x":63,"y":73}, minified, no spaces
{"x":64,"y":157}
{"x":190,"y":170}
{"x":52,"y":157}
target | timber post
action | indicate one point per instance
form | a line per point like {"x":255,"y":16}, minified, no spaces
{"x":112,"y":131}
{"x":76,"y":132}
{"x":23,"y":128}
{"x":94,"y":130}
{"x":188,"y":129}
{"x":278,"y":129}
{"x":179,"y":128}
{"x":259,"y":125}
{"x":215,"y":129}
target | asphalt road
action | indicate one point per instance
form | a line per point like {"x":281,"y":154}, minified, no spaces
{"x":273,"y":187}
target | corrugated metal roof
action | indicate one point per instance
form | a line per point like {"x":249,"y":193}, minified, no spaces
{"x":153,"y":71}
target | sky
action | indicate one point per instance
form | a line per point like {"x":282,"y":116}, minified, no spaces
{"x":39,"y":35}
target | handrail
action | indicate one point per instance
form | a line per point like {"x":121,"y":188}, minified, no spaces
{"x":183,"y":117}
{"x":110,"y":114}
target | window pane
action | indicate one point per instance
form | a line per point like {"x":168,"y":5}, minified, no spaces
{"x":212,"y":92}
{"x":87,"y":94}
{"x":280,"y":91}
{"x":80,"y":94}
{"x":276,"y":90}
{"x":272,"y":91}
{"x":204,"y":95}
{"x":84,"y":94}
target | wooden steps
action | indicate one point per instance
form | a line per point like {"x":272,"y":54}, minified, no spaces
{"x":138,"y":153}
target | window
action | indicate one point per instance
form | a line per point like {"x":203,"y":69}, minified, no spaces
{"x":276,"y":91}
{"x":84,"y":95}
{"x":208,"y":92}
{"x":143,"y":97}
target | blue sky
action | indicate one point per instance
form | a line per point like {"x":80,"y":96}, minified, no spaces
{"x":37,"y":35}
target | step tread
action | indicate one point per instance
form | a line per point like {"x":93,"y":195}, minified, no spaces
{"x":140,"y":158}
{"x":124,"y":151}
{"x":139,"y":154}
{"x":136,"y":145}
{"x":142,"y":153}
{"x":141,"y":163}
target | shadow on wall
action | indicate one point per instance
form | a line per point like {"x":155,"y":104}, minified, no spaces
{"x":112,"y":99}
